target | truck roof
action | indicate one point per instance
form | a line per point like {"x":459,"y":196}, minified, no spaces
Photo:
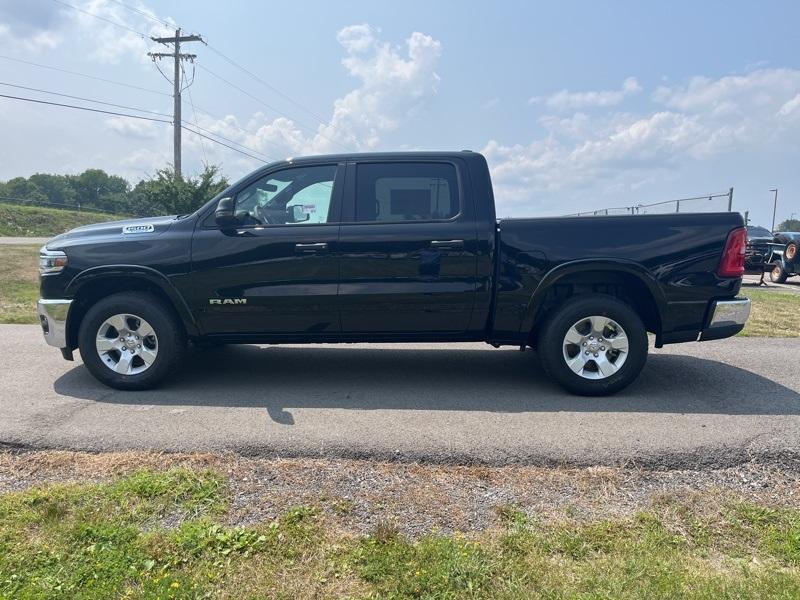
{"x":404,"y":155}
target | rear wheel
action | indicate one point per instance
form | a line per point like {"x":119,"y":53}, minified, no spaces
{"x":778,"y":275}
{"x":594,"y":345}
{"x":131,"y":341}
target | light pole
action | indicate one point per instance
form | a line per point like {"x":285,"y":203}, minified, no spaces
{"x":774,"y":208}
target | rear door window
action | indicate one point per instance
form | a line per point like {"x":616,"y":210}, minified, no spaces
{"x":392,"y":192}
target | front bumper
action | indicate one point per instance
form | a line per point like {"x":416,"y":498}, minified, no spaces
{"x":728,"y":318}
{"x":53,"y":316}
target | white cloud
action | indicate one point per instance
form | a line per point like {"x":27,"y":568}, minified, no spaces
{"x":620,"y":151}
{"x":134,"y":128}
{"x":791,"y":107}
{"x":566,"y":100}
{"x":394,"y":83}
{"x":111,"y":32}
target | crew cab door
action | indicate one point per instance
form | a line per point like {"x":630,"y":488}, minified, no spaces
{"x":277,"y":272}
{"x":408,"y":247}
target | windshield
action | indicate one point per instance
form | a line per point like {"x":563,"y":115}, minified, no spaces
{"x":754,"y":231}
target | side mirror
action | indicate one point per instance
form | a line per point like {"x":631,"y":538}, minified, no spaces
{"x":297,"y":214}
{"x":225,"y":215}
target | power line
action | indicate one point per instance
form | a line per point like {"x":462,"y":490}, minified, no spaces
{"x":223,"y":144}
{"x":144,"y":14}
{"x":107,"y":20}
{"x":270,"y":107}
{"x":32,"y":89}
{"x":60,"y":70}
{"x":194,"y":114}
{"x":119,"y":114}
{"x":265,"y":84}
{"x":237,"y":127}
{"x":86,"y":108}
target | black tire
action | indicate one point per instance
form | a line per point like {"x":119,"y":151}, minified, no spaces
{"x":778,"y":274}
{"x":170,"y":334}
{"x":551,"y":344}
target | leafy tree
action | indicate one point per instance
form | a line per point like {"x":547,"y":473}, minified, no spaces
{"x":22,"y":189}
{"x":171,"y":194}
{"x":790,"y":225}
{"x":94,"y":184}
{"x":57,"y":188}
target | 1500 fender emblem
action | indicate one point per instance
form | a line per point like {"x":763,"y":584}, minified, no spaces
{"x":228,"y":301}
{"x":138,"y":229}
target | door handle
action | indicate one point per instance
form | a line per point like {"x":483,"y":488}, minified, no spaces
{"x":447,"y":244}
{"x":311,"y":248}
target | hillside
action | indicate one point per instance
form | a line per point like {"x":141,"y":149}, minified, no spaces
{"x":31,"y":221}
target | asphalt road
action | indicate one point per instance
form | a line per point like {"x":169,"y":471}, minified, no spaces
{"x":23,"y":241}
{"x":712,"y":404}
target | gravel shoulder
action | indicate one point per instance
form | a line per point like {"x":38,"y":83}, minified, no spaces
{"x":358,"y":496}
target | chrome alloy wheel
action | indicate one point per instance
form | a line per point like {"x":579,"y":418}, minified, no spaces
{"x":126,"y":344}
{"x":595,"y":347}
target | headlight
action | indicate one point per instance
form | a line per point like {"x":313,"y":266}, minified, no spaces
{"x":51,"y":261}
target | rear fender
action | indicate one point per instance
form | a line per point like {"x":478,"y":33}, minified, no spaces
{"x":558,"y":273}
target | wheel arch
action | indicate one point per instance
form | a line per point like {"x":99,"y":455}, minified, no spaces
{"x":626,"y":280}
{"x":98,"y":282}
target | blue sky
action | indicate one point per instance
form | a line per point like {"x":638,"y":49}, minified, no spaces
{"x":577,"y":105}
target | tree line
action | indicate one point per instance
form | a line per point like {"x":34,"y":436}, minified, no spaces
{"x":164,"y":194}
{"x":94,"y":189}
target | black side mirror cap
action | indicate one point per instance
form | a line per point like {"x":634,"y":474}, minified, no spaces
{"x":225,"y":215}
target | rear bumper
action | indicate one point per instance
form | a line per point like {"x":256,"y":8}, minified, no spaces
{"x":728,"y":318}
{"x":53,"y":316}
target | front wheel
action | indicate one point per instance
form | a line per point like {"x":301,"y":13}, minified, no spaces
{"x":131,"y":341}
{"x":593,"y":345}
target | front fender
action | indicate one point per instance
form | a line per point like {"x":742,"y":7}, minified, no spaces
{"x":553,"y":276}
{"x":142,"y":273}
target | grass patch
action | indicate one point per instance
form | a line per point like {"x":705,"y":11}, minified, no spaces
{"x":162,"y":534}
{"x":19,"y":284}
{"x":33,"y":221}
{"x":773,"y":314}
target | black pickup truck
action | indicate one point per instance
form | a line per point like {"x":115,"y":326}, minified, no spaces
{"x":400,"y":247}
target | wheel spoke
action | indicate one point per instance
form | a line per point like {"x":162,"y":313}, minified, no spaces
{"x":605,"y":367}
{"x":619,"y":342}
{"x":599,"y":325}
{"x":148,"y":356}
{"x":144,"y":329}
{"x":104,"y":344}
{"x":576,"y":364}
{"x":118,"y":322}
{"x":573,"y":336}
{"x":123,"y":366}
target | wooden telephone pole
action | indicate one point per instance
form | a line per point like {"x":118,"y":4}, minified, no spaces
{"x":176,"y":81}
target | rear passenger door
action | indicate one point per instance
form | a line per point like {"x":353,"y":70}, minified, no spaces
{"x":407,"y":248}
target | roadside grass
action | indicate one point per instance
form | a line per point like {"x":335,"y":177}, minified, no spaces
{"x":33,"y":221}
{"x":19,"y":284}
{"x":773,"y":314}
{"x":161,"y":534}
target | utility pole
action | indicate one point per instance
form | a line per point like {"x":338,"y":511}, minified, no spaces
{"x":176,"y":82}
{"x":774,"y":208}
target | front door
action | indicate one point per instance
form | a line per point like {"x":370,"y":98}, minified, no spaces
{"x":276,"y":273}
{"x":408,"y":249}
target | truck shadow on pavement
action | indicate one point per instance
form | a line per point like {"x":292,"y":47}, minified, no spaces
{"x":283,"y":378}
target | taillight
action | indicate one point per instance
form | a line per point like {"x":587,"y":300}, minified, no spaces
{"x":732,"y":263}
